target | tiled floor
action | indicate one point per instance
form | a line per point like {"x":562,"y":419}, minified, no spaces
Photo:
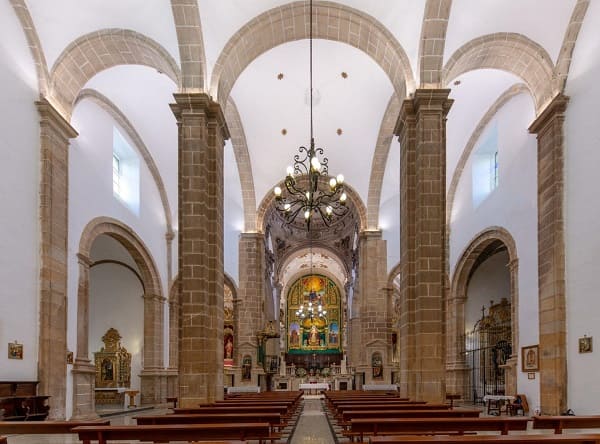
{"x":313,"y":427}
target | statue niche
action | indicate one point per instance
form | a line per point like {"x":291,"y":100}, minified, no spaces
{"x":113,"y":362}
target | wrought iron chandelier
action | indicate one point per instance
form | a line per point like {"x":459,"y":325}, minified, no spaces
{"x":328,"y":201}
{"x":310,"y":312}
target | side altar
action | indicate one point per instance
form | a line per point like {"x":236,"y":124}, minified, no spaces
{"x":113,"y":370}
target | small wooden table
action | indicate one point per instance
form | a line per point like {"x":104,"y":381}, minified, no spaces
{"x":132,"y":394}
{"x":451,"y":397}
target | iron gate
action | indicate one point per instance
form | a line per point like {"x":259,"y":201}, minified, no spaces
{"x":487,"y":348}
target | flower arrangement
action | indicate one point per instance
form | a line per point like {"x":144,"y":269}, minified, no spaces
{"x":300,"y":372}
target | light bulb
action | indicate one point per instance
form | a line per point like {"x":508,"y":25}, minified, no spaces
{"x":277,"y":191}
{"x":324,"y":312}
{"x":316,"y":165}
{"x":307,"y":214}
{"x":340,"y":178}
{"x":287,"y":207}
{"x":328,"y":210}
{"x":332,"y":182}
{"x":343,"y":198}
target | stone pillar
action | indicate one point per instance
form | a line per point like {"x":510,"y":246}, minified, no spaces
{"x":551,"y":256}
{"x":55,"y":133}
{"x":456,"y":366}
{"x":374,"y":317}
{"x":153,"y":383}
{"x":172,"y":378}
{"x":202,"y":134}
{"x":84,"y":372}
{"x":510,"y":368}
{"x":250,"y":310}
{"x":421,"y":127}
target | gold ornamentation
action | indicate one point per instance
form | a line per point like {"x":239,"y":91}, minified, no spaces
{"x":113,"y":362}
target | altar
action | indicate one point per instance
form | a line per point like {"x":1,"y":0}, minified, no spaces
{"x":113,"y":370}
{"x":314,"y":388}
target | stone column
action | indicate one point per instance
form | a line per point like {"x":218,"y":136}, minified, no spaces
{"x":456,"y":366}
{"x":84,"y":372}
{"x":510,"y":368}
{"x":551,"y":256}
{"x":422,"y":130}
{"x":172,"y":379}
{"x":153,"y":377}
{"x":250,"y":310}
{"x":374,"y":317}
{"x":55,"y":133}
{"x":202,"y":134}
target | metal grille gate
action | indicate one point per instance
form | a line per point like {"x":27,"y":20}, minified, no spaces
{"x":487,"y":348}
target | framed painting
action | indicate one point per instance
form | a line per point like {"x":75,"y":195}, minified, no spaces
{"x":585,"y":344}
{"x":15,"y":350}
{"x":530,"y":358}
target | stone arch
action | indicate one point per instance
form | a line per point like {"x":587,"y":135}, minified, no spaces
{"x":242,"y":158}
{"x":380,"y":157}
{"x":332,"y":21}
{"x":432,"y":42}
{"x":563,"y":63}
{"x":35,"y":45}
{"x":191,"y":45}
{"x":509,"y":52}
{"x":394,"y":272}
{"x":153,"y":314}
{"x":455,"y":313}
{"x":94,"y":52}
{"x":106,"y":104}
{"x":353,"y":197}
{"x":228,"y":281}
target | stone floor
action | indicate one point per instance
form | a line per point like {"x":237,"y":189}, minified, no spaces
{"x":312,"y":426}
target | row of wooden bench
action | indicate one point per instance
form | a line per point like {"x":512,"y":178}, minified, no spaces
{"x":361,"y":415}
{"x":236,"y":419}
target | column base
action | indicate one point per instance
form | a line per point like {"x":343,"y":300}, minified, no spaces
{"x":84,"y":382}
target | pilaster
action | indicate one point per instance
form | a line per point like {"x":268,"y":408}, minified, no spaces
{"x":551,"y":256}
{"x":421,"y":128}
{"x":249,"y":315}
{"x":202,"y":134}
{"x":153,"y":385}
{"x":55,"y":133}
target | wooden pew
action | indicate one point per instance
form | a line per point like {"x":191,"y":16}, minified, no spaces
{"x":45,"y":427}
{"x":281,"y":409}
{"x":348,"y":415}
{"x":503,"y":439}
{"x":3,"y":440}
{"x":274,"y":419}
{"x":391,"y":426}
{"x":558,"y":423}
{"x":340,"y":409}
{"x":260,"y":431}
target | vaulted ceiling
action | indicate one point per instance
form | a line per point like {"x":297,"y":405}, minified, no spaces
{"x":253,"y":57}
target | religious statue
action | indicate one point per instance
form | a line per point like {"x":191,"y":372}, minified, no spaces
{"x":313,"y":336}
{"x":229,"y":348}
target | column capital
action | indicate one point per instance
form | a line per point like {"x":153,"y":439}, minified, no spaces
{"x":251,"y":235}
{"x":370,"y":234}
{"x":422,"y":100}
{"x":188,"y":104}
{"x":84,"y":260}
{"x":556,"y":108}
{"x":169,"y":236}
{"x":157,"y":297}
{"x":50,"y":116}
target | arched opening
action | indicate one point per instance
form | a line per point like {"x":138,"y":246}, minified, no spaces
{"x":482,"y":319}
{"x":118,"y":285}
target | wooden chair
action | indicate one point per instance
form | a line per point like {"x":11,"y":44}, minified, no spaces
{"x":518,"y":405}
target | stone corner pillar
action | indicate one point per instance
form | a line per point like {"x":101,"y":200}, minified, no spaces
{"x":55,"y":133}
{"x":249,"y":316}
{"x":202,"y":133}
{"x":153,"y":389}
{"x":421,"y":128}
{"x":548,"y":127}
{"x":83,"y":371}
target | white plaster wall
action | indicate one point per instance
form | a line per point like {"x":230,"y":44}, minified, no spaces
{"x":513,"y":206}
{"x":582,"y":212}
{"x":19,"y":188}
{"x":233,"y":213}
{"x":116,"y":302}
{"x":91,"y":196}
{"x":490,"y":282}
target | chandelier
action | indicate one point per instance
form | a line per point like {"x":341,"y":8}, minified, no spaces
{"x":326,"y":199}
{"x":309,"y":312}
